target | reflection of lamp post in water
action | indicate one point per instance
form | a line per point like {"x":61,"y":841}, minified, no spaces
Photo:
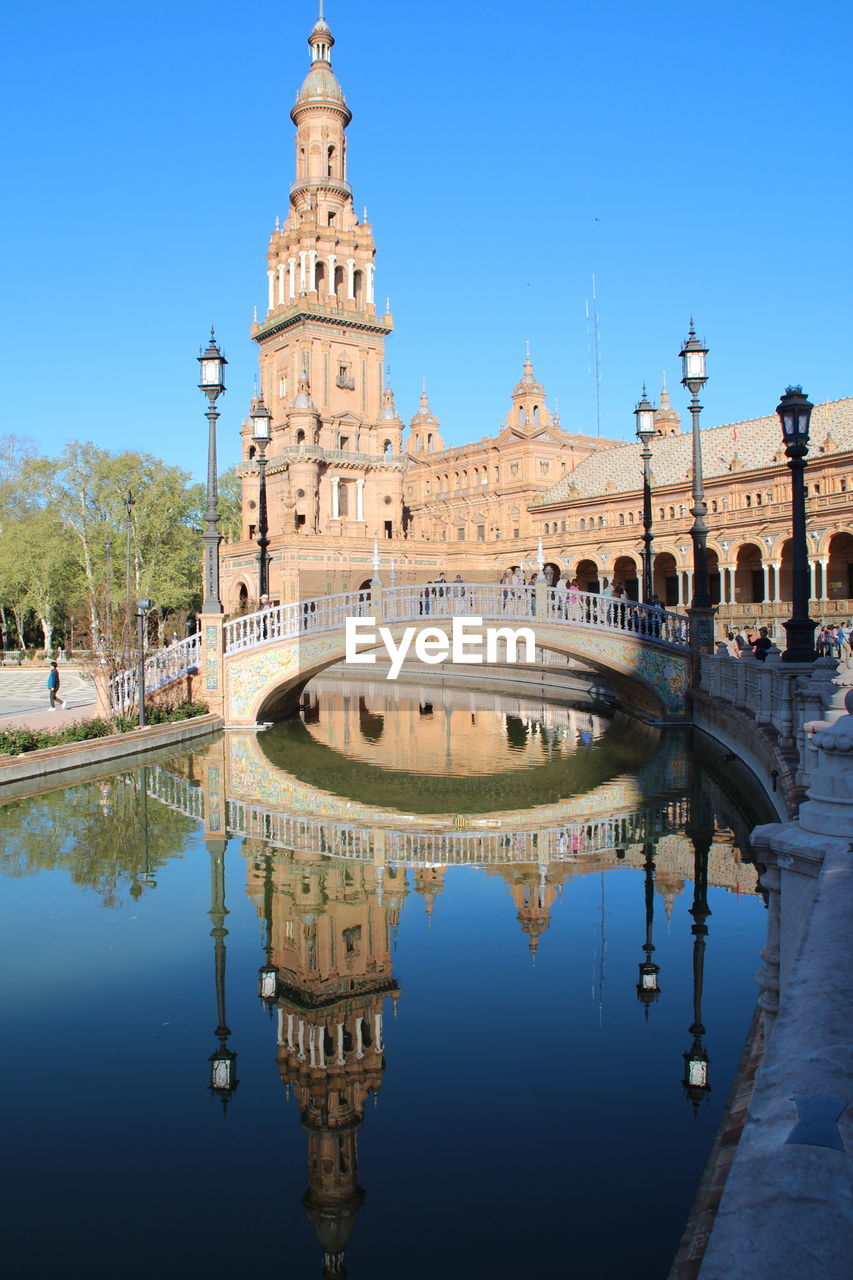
{"x":147,"y":880}
{"x":268,"y":973}
{"x":696,"y":1058}
{"x":223,"y":1062}
{"x":647,"y":984}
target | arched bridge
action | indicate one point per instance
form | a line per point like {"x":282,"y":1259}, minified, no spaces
{"x":255,"y":666}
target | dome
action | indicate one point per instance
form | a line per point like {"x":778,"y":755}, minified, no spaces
{"x":320,"y":83}
{"x":528,"y":386}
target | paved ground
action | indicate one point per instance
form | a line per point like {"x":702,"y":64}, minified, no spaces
{"x":24,"y":699}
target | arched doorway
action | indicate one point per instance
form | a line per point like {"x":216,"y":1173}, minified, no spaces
{"x":625,"y":572}
{"x":243,"y":599}
{"x":665,"y":578}
{"x":749,"y":575}
{"x":553,"y":573}
{"x":587,"y":576}
{"x":714,"y":575}
{"x":839,"y":571}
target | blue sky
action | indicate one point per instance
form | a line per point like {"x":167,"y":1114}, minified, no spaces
{"x":696,"y":158}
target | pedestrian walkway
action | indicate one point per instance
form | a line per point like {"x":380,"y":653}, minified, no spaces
{"x":24,"y":699}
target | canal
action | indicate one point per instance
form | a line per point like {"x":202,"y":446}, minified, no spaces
{"x":424,"y":981}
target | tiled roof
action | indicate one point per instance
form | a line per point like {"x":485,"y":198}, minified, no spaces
{"x":737,"y":447}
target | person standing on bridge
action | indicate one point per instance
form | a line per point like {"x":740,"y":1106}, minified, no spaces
{"x":53,"y":687}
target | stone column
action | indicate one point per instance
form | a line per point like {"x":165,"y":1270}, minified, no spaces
{"x":291,"y":264}
{"x":312,"y":271}
{"x":332,"y":260}
{"x":359,"y":1045}
{"x":369,"y":271}
{"x":813,"y":579}
{"x":766,"y":569}
{"x":340,"y":1044}
{"x":777,"y":578}
{"x":335,"y":498}
{"x":824,"y":580}
{"x":359,"y":499}
{"x":270,"y":290}
{"x":350,"y":279}
{"x":302,"y":256}
{"x":281,"y":295}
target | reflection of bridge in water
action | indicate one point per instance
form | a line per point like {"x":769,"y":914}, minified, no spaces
{"x":617,"y":839}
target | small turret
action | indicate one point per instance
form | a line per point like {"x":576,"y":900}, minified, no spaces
{"x":424,"y":434}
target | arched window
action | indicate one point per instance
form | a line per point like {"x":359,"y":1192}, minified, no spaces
{"x":816,"y":490}
{"x":301,"y":163}
{"x":602,"y":520}
{"x":417,"y":444}
{"x":520,"y":416}
{"x":713,"y":504}
{"x":565,"y":526}
{"x":339,"y":284}
{"x":747,"y":499}
{"x":320,"y":278}
{"x":343,"y":499}
{"x":661,"y":514}
{"x":252,"y":452}
{"x":630,"y":517}
{"x":583,"y":525}
{"x":536,"y":415}
{"x":672,"y":513}
{"x":358,"y":288}
{"x":300,"y":436}
{"x":429,"y":443}
{"x":758,"y":499}
{"x":621,"y":517}
{"x":331,"y":163}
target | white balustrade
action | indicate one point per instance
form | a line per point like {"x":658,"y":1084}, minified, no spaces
{"x":161,"y":668}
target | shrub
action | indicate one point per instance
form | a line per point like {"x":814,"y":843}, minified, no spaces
{"x":15,"y":742}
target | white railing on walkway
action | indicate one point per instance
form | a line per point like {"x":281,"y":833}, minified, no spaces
{"x":289,"y":621}
{"x":493,"y":601}
{"x":161,"y":668}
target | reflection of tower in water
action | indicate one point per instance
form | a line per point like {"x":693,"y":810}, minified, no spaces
{"x":327,"y":972}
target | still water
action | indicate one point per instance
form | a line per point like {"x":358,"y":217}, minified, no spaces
{"x":420,"y":983}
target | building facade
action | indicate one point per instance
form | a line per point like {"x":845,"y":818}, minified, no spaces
{"x":343,"y":471}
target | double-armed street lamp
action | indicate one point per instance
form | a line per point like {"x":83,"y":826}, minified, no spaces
{"x":794,"y":410}
{"x":212,"y":383}
{"x":645,"y":415}
{"x":694,"y":377}
{"x":261,"y":418}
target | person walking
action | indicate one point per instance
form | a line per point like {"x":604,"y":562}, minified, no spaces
{"x":761,"y":645}
{"x":53,"y":688}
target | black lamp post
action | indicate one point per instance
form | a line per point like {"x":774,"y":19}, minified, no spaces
{"x":647,"y":983}
{"x":645,"y":415}
{"x":142,"y":608}
{"x":794,"y":410}
{"x":212,"y":383}
{"x":261,"y":417}
{"x":128,"y":507}
{"x":108,"y":601}
{"x":694,"y":377}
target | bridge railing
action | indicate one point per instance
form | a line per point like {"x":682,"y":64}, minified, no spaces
{"x":649,"y":621}
{"x":289,"y":621}
{"x":161,"y":668}
{"x":494,"y":600}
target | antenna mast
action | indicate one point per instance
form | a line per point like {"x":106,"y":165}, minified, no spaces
{"x":597,"y":351}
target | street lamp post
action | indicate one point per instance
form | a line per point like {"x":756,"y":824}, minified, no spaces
{"x":212,"y":383}
{"x":128,"y":506}
{"x":645,"y":415}
{"x":700,"y":832}
{"x":261,"y":417}
{"x":794,"y":410}
{"x":109,"y":599}
{"x":142,"y":607}
{"x":693,"y":354}
{"x":223,"y":1061}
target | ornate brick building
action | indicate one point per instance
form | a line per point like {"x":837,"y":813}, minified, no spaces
{"x":342,"y":471}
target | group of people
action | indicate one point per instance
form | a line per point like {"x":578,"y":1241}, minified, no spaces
{"x":756,"y":642}
{"x":832,"y":640}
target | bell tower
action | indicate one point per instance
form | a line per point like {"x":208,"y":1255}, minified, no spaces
{"x":321,"y":320}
